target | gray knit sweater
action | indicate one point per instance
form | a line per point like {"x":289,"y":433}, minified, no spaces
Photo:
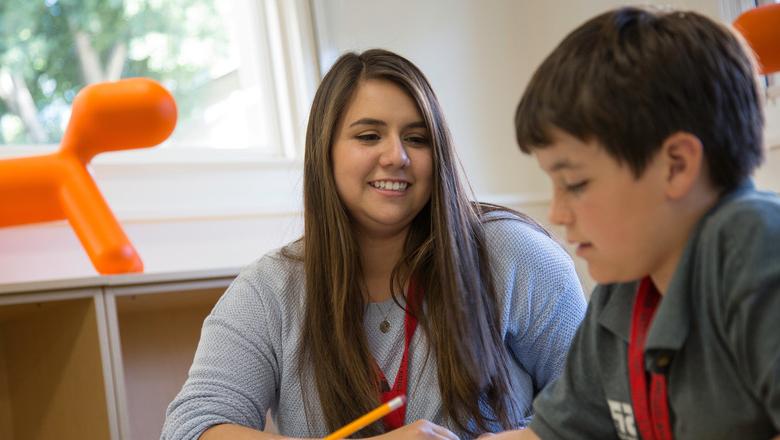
{"x":246,"y":361}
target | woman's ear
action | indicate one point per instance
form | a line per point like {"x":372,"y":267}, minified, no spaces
{"x":682,"y":156}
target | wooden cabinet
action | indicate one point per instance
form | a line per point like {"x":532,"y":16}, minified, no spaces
{"x":55,"y":377}
{"x":99,"y":358}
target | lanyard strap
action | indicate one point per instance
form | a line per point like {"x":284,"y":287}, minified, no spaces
{"x":395,"y":419}
{"x":651,"y":410}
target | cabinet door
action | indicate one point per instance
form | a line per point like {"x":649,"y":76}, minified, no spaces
{"x":154,"y":330}
{"x":55,"y":373}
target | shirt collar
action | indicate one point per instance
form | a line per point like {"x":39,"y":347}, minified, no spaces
{"x":671,"y":323}
{"x":616,"y":314}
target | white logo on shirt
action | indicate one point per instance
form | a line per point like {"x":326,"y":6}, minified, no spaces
{"x":623,"y":416}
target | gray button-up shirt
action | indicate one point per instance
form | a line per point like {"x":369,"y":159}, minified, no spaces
{"x":716,"y":334}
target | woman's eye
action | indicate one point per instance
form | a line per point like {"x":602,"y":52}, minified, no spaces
{"x":576,"y":188}
{"x":369,"y":137}
{"x":419,"y":140}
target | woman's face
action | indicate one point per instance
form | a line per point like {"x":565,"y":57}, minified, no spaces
{"x":382,"y":158}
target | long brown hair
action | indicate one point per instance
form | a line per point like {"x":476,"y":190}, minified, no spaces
{"x":445,"y":250}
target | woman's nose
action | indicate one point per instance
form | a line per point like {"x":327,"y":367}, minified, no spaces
{"x":394,"y":154}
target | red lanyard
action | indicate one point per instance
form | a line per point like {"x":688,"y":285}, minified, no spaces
{"x":395,"y":419}
{"x":651,"y":412}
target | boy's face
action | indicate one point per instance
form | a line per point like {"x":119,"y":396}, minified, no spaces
{"x":620,"y":224}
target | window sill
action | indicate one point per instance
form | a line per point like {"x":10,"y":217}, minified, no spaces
{"x":191,"y":184}
{"x":166,"y":156}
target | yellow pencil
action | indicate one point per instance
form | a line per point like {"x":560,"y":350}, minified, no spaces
{"x":367,"y":419}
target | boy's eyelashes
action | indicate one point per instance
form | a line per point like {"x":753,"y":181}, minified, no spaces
{"x":575,"y":188}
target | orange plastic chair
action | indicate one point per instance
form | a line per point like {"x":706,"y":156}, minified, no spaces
{"x":761,"y":28}
{"x":130,"y":113}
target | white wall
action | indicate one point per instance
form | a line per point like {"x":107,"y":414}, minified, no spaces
{"x":478,"y":55}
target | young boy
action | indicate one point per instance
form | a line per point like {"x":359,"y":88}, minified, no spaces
{"x":649,"y":125}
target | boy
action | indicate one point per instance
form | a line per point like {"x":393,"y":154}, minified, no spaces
{"x":649,"y":125}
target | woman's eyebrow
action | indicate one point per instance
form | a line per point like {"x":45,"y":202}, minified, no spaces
{"x":417,"y":124}
{"x":368,"y":121}
{"x":380,"y":123}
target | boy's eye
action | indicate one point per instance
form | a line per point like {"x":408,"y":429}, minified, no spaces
{"x":575,"y":188}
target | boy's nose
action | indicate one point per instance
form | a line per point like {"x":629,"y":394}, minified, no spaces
{"x":559,"y":214}
{"x":394,"y":154}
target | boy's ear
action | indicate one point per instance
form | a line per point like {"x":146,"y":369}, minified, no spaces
{"x":682,"y":155}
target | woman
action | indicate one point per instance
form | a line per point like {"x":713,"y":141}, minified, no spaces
{"x":399,"y":285}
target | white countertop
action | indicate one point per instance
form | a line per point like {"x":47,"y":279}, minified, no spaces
{"x":117,"y":280}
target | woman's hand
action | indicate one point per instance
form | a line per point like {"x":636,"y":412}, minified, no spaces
{"x":419,"y":430}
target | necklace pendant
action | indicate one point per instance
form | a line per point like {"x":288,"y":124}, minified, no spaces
{"x":384,"y":326}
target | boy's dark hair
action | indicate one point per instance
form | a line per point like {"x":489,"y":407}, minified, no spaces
{"x":631,"y":77}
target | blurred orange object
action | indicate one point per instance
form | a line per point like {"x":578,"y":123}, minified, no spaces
{"x":130,"y":113}
{"x":761,"y":28}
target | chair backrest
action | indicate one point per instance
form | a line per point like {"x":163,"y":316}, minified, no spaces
{"x":761,"y":28}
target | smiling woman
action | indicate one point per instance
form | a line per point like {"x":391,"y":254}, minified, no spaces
{"x":322,"y":330}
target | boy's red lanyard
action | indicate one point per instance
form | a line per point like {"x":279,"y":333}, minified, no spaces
{"x":651,"y":413}
{"x":395,"y":419}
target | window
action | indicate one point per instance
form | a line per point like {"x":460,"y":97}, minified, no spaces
{"x":767,"y":175}
{"x":730,"y":10}
{"x":242,"y":71}
{"x":773,"y":80}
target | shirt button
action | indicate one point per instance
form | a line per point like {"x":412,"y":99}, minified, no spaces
{"x":663,"y":361}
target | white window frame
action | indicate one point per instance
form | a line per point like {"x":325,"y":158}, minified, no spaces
{"x":729,"y":11}
{"x":178,"y":172}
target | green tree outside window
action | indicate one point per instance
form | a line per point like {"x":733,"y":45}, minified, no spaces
{"x":50,"y":49}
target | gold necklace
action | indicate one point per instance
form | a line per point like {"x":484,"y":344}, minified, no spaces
{"x":384,"y":325}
